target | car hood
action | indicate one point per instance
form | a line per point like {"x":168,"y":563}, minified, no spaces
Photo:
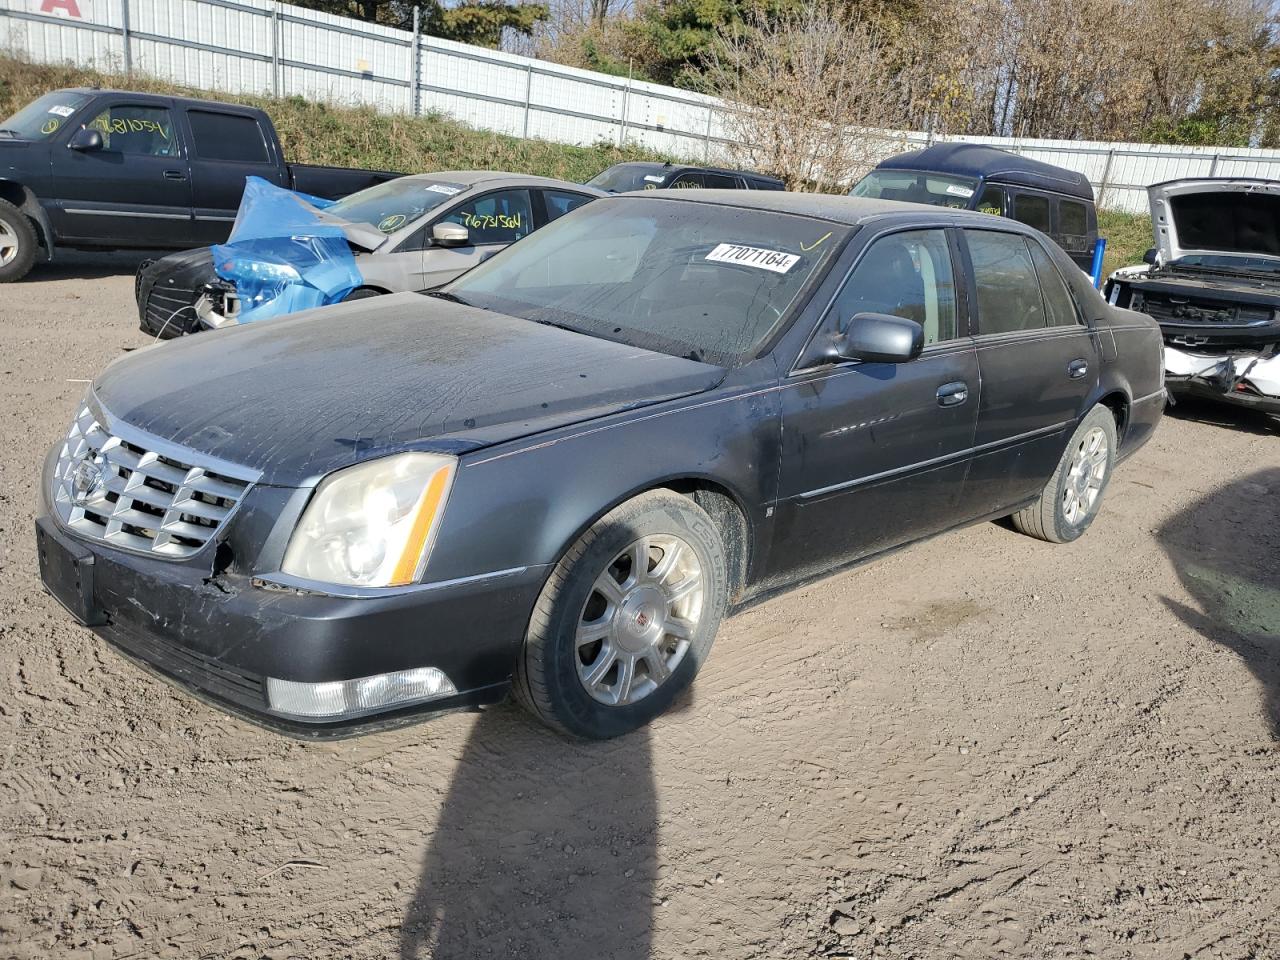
{"x":1216,"y":216}
{"x":307,"y":394}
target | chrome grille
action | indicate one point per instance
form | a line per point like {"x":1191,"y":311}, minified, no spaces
{"x":109,"y":489}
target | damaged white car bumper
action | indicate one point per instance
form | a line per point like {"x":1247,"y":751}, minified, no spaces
{"x":1247,"y":378}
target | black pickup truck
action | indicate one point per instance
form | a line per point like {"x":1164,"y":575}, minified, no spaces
{"x":110,"y":169}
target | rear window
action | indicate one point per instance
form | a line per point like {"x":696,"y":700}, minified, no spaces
{"x":227,"y":136}
{"x":1032,"y":210}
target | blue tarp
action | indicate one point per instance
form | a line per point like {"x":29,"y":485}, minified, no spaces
{"x":281,"y":256}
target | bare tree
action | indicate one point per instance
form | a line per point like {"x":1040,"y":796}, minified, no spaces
{"x":811,"y":94}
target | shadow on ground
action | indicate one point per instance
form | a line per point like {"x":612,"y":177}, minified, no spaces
{"x":1226,"y":550}
{"x":544,"y":848}
{"x":1225,"y":415}
{"x":84,"y":265}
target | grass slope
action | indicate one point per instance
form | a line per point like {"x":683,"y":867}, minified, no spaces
{"x":346,"y":136}
{"x":360,"y":137}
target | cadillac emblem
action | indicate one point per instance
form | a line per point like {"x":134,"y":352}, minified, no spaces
{"x":87,"y":480}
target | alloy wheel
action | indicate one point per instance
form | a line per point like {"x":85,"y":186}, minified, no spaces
{"x":1085,"y":477}
{"x":637,"y":623}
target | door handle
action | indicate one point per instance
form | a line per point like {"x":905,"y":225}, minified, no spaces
{"x":1077,"y":368}
{"x":174,"y":175}
{"x":953,"y":394}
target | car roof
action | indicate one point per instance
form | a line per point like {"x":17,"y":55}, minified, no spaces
{"x":162,"y":98}
{"x":687,"y":167}
{"x":998,"y":166}
{"x":499,"y":178}
{"x":851,"y":211}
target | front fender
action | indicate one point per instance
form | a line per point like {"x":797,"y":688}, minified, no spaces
{"x":525,"y":503}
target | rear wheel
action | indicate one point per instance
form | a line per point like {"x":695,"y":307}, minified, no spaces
{"x":1073,"y":495}
{"x":17,"y":243}
{"x":361,"y":293}
{"x":625,"y":619}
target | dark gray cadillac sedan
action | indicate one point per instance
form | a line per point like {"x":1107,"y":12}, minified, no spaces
{"x":557,"y":474}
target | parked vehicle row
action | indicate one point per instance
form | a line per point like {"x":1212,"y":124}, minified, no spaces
{"x":556,"y":474}
{"x":611,"y":420}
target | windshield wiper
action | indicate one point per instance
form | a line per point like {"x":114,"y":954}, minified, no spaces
{"x":451,"y":297}
{"x":13,"y":133}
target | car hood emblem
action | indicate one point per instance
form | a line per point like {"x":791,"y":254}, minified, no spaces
{"x":87,"y":480}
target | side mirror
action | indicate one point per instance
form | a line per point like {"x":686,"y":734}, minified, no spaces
{"x":879,"y":338}
{"x":85,"y":140}
{"x":1150,"y":257}
{"x":450,"y":235}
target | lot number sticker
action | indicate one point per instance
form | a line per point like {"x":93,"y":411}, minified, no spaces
{"x":63,"y":111}
{"x":774,"y":260}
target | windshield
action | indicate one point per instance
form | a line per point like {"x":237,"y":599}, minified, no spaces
{"x":391,"y":205}
{"x":625,"y":176}
{"x":917,"y":186}
{"x":44,"y":117}
{"x":695,"y":280}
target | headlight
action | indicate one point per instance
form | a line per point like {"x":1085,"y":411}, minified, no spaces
{"x":372,"y":525}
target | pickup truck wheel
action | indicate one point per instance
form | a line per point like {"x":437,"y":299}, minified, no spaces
{"x":626,"y":618}
{"x":1073,"y":494}
{"x":17,"y":243}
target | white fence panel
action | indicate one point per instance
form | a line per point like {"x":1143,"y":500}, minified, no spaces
{"x":264,"y":47}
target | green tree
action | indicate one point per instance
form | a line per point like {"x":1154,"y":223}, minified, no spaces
{"x":479,"y":22}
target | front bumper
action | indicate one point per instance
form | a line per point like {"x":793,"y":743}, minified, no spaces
{"x":1243,"y":378}
{"x":220,"y":637}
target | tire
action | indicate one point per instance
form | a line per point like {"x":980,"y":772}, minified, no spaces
{"x":361,"y":293}
{"x":1069,"y":502}
{"x":18,"y":243}
{"x":641,"y":624}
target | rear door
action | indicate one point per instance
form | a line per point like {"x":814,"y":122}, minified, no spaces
{"x":226,"y":146}
{"x":1037,"y":361}
{"x":136,"y":190}
{"x":875,"y":454}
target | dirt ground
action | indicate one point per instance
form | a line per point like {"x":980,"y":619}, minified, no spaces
{"x":984,"y":746}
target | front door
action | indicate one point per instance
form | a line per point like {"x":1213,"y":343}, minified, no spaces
{"x":1038,"y":364}
{"x":874,"y":454}
{"x":135,"y":191}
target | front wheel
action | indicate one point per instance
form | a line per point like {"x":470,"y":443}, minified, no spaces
{"x":17,"y":243}
{"x":625,"y":619}
{"x":1073,"y":495}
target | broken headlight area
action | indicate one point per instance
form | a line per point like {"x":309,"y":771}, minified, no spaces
{"x":284,"y":255}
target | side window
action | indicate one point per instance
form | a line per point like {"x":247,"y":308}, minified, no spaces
{"x":1073,"y":218}
{"x":560,"y":202}
{"x":992,"y":201}
{"x":721,"y":181}
{"x":227,"y":136}
{"x":1008,"y":289}
{"x":687,"y":181}
{"x":1060,"y":306}
{"x":502,"y":217}
{"x":1033,"y":210}
{"x":145,"y":131}
{"x":906,"y":275}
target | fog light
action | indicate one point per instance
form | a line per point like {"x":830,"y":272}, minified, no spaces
{"x":344,"y":697}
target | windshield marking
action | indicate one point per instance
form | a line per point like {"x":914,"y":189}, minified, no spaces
{"x":758,"y":257}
